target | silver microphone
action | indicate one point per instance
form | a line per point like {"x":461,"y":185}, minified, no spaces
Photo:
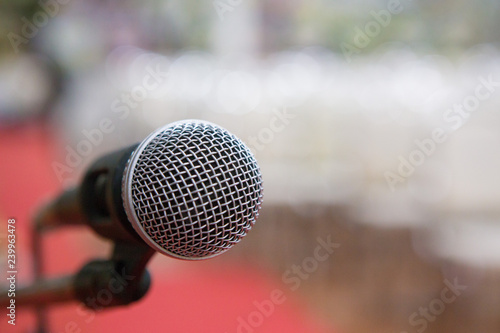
{"x":191,"y":190}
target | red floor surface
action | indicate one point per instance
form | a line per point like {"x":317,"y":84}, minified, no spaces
{"x":184,"y":297}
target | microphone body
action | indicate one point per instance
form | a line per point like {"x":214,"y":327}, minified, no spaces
{"x":97,"y":202}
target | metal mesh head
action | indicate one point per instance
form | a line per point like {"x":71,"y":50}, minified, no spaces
{"x":192,"y":190}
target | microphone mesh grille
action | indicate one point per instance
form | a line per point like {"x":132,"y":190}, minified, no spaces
{"x":195,"y":190}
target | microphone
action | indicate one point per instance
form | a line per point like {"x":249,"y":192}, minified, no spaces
{"x":191,"y":190}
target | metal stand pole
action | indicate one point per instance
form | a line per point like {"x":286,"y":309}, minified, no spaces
{"x":36,"y":249}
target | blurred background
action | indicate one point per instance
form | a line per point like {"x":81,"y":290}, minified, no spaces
{"x":375,"y":124}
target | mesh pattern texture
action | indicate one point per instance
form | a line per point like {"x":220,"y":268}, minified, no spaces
{"x":196,"y":189}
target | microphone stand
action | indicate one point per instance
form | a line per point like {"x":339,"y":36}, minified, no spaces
{"x":119,"y":280}
{"x":36,"y":252}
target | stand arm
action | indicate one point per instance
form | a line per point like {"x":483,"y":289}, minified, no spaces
{"x":99,"y":284}
{"x":42,"y":293}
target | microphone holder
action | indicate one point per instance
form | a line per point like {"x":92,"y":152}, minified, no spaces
{"x":120,"y":280}
{"x":99,"y":284}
